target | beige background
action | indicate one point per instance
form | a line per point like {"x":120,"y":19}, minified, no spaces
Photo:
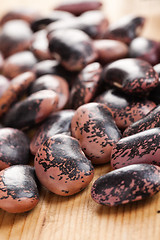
{"x":79,"y":217}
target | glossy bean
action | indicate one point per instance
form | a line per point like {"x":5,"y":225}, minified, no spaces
{"x":128,"y":184}
{"x":62,"y":167}
{"x":18,"y":189}
{"x":142,"y":147}
{"x":57,"y":123}
{"x":95,"y":129}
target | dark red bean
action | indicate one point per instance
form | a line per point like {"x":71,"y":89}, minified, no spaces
{"x":79,"y":6}
{"x":14,"y":147}
{"x":85,"y":85}
{"x":146,"y":49}
{"x":57,"y":123}
{"x":55,"y":83}
{"x":131,"y":75}
{"x":95,"y":129}
{"x":125,"y":109}
{"x":110,"y":50}
{"x":54,"y":16}
{"x":19,"y":63}
{"x":17,"y":87}
{"x":18,"y":189}
{"x":26,"y":14}
{"x":32,"y":110}
{"x":15,"y":36}
{"x":126,"y":28}
{"x":73,"y":53}
{"x":142,"y":147}
{"x":151,"y":120}
{"x":128,"y":184}
{"x":4,"y":84}
{"x":39,"y":45}
{"x":62,"y":167}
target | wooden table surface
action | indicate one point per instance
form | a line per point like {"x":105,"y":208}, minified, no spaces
{"x":79,"y":217}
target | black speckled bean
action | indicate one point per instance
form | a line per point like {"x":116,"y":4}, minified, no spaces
{"x":85,"y":85}
{"x":94,"y":127}
{"x":18,"y":189}
{"x":15,"y":36}
{"x":31,"y":110}
{"x":55,"y":83}
{"x":125,"y":109}
{"x":62,"y":167}
{"x":4,"y":84}
{"x":131,"y":75}
{"x":128,"y":184}
{"x":14,"y":147}
{"x":17,"y":87}
{"x":151,"y":120}
{"x":74,"y":53}
{"x":125,"y":29}
{"x":146,"y":49}
{"x":18,"y":63}
{"x":57,"y":123}
{"x":143,"y":147}
{"x":155,"y":93}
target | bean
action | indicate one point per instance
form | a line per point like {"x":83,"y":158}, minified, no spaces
{"x":151,"y":120}
{"x":62,"y":167}
{"x":15,"y":36}
{"x":80,"y":6}
{"x":55,"y":83}
{"x":85,"y":85}
{"x":73,"y":53}
{"x":138,"y":77}
{"x":127,"y":184}
{"x":18,"y":189}
{"x":146,"y":49}
{"x":125,"y":109}
{"x":56,"y":123}
{"x":126,"y":29}
{"x":95,"y":129}
{"x":18,"y":63}
{"x":32,"y":110}
{"x":142,"y":147}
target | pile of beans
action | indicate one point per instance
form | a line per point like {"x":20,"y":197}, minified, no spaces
{"x":77,"y":91}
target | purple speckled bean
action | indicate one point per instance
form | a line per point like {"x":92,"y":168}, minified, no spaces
{"x":61,"y":166}
{"x":57,"y":123}
{"x":85,"y":85}
{"x":73,"y":53}
{"x":18,"y":63}
{"x":125,"y":108}
{"x":151,"y":120}
{"x":125,"y":29}
{"x":128,"y":184}
{"x":131,"y":75}
{"x":15,"y":36}
{"x":146,"y":49}
{"x":32,"y":110}
{"x":18,"y":189}
{"x":143,"y":147}
{"x":95,"y":129}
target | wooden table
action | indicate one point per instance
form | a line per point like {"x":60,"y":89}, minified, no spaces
{"x":79,"y":217}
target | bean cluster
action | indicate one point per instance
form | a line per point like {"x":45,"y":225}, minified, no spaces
{"x":77,"y":91}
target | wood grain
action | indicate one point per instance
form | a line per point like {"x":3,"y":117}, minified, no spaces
{"x":79,"y":217}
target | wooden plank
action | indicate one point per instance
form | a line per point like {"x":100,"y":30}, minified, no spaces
{"x":79,"y":217}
